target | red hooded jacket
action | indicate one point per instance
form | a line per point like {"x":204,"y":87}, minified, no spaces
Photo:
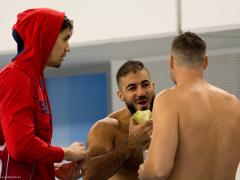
{"x":25,"y":114}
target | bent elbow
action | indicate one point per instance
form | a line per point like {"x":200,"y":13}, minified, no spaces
{"x":157,"y":175}
{"x":161,"y":173}
{"x":16,"y":153}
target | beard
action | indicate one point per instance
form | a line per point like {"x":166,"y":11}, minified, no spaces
{"x":57,"y":65}
{"x":132,"y":108}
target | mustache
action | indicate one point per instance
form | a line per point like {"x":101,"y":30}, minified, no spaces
{"x":142,"y":98}
{"x":133,"y":109}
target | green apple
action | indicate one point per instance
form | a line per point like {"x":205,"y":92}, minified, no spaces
{"x":141,"y":116}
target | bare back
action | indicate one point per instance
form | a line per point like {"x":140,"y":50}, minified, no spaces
{"x":209,"y":138}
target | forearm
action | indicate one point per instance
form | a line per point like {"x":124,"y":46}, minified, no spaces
{"x":153,"y":177}
{"x":135,"y":159}
{"x":151,"y":170}
{"x":24,"y":145}
{"x":104,"y":166}
{"x":32,"y":149}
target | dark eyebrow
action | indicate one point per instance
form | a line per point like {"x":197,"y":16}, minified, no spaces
{"x":130,"y":85}
{"x":144,"y":81}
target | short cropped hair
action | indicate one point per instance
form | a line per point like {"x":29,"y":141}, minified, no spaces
{"x":128,"y":67}
{"x":67,"y":23}
{"x":189,"y":48}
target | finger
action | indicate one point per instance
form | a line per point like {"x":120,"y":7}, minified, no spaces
{"x":148,"y":127}
{"x":148,"y":123}
{"x":132,"y":121}
{"x":146,"y":131}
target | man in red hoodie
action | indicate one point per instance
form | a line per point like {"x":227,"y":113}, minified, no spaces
{"x":42,"y":36}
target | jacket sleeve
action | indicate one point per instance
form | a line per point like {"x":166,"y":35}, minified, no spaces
{"x":17,"y":120}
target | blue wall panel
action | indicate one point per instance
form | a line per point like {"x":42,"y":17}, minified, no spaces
{"x":77,"y":102}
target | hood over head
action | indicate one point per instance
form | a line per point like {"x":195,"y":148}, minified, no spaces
{"x":36,"y":32}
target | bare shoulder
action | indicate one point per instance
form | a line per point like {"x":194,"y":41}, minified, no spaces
{"x":104,"y":125}
{"x":101,"y":136}
{"x":166,"y":95}
{"x":109,"y":124}
{"x":118,"y":114}
{"x":234,"y":102}
{"x":226,"y":95}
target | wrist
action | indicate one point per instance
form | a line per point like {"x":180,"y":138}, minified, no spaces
{"x":66,"y":154}
{"x":132,"y":145}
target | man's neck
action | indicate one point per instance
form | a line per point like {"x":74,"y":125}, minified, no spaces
{"x":187,"y":75}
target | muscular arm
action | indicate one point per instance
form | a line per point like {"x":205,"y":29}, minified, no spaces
{"x":104,"y":166}
{"x":164,"y":141}
{"x":105,"y":160}
{"x":136,"y":158}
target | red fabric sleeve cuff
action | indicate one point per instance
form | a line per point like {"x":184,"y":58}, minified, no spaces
{"x":57,"y":154}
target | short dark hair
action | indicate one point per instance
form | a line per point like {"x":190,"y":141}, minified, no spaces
{"x":67,"y":23}
{"x":190,"y":48}
{"x":129,"y":66}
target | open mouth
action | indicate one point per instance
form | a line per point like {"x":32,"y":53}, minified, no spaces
{"x":142,"y":103}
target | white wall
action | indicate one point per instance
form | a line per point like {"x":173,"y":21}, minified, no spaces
{"x":115,"y":101}
{"x":207,"y":14}
{"x":98,"y":20}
